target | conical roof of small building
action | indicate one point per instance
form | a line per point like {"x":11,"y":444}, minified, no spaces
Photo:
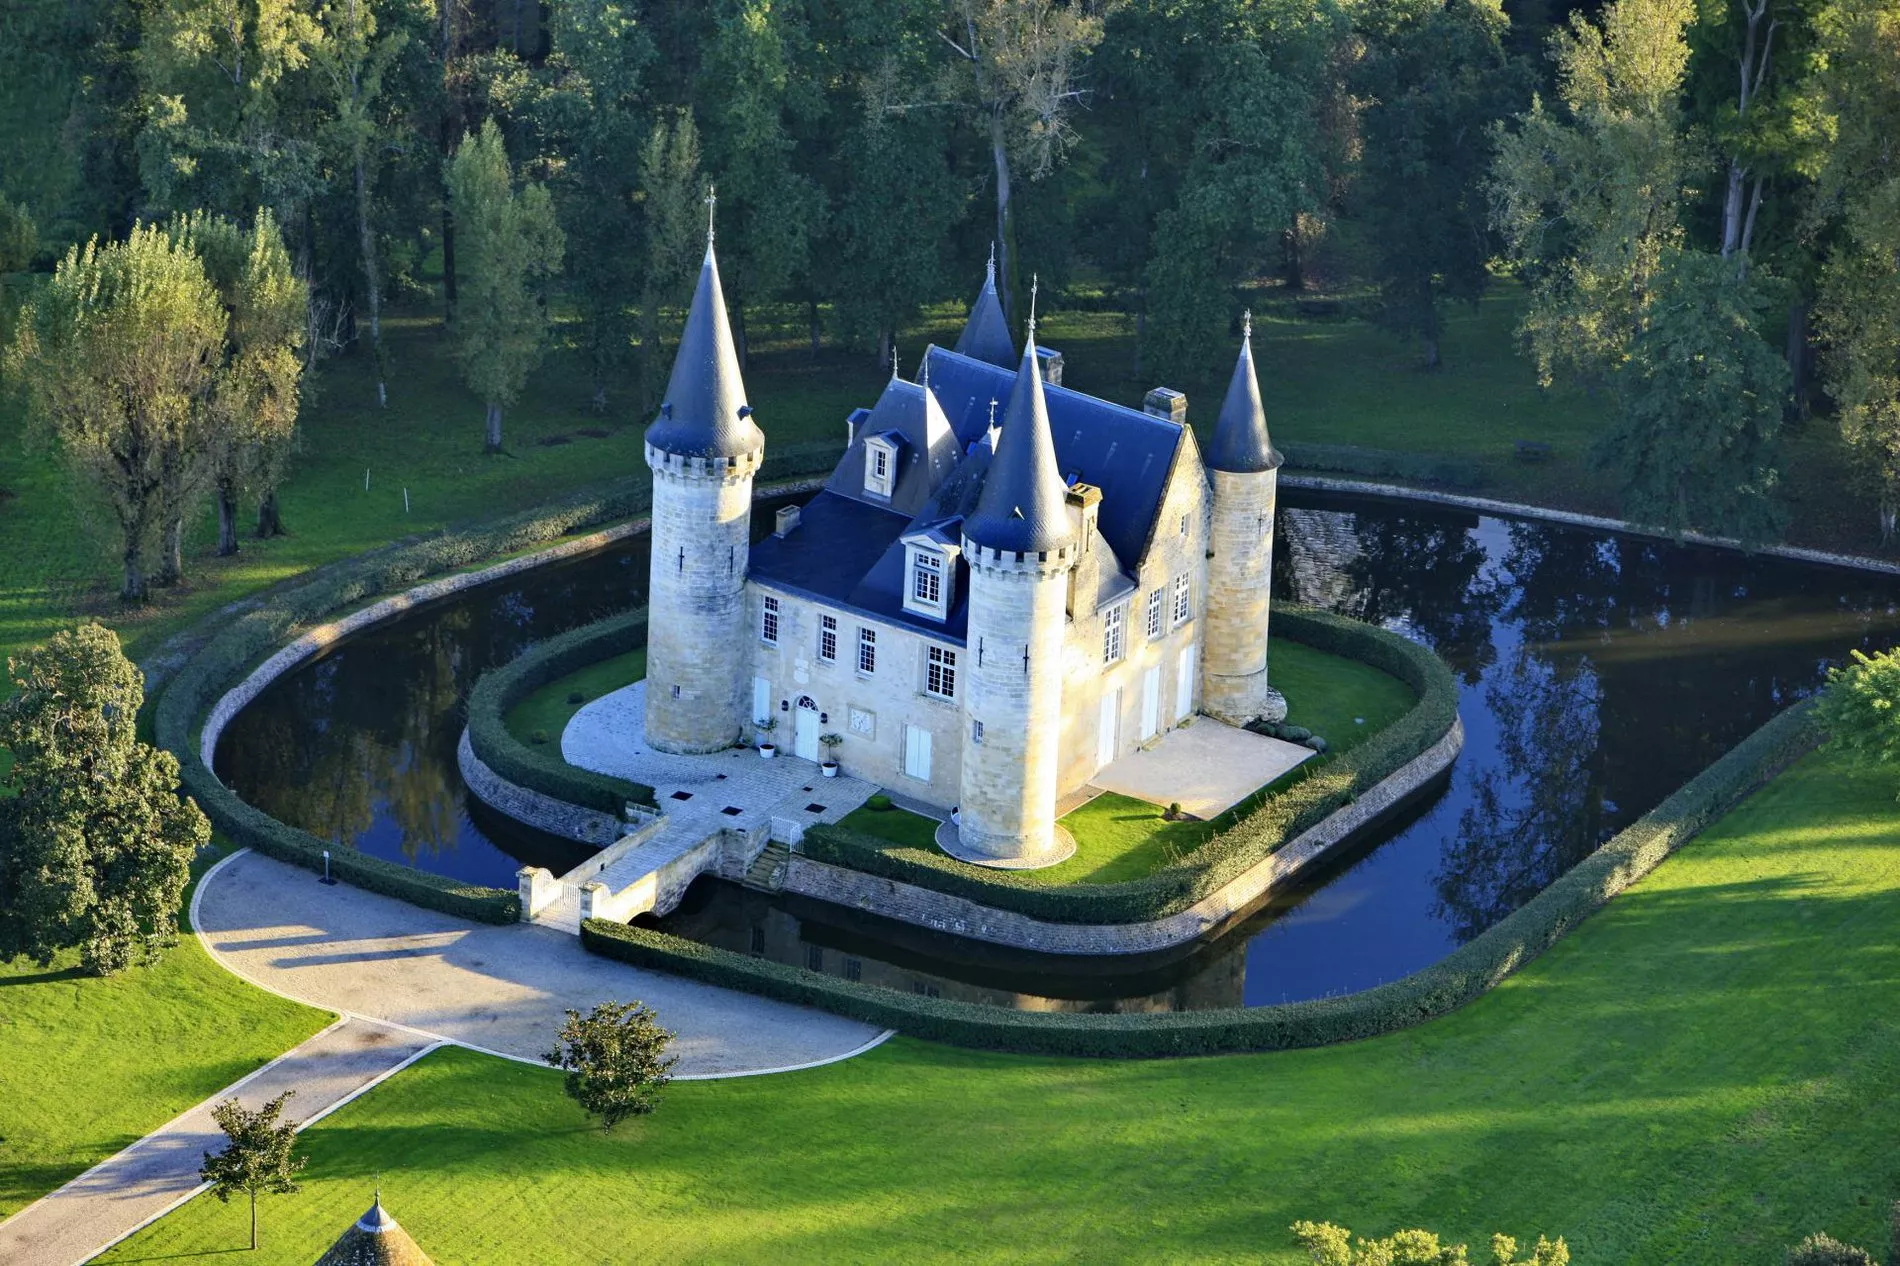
{"x":375,"y":1239}
{"x":1023,"y":505}
{"x":705,"y":413}
{"x":1240,"y":444}
{"x":986,"y":334}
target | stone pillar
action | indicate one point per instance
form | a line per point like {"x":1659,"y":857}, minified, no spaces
{"x":1239,"y":585}
{"x":698,"y":661}
{"x":1013,"y":688}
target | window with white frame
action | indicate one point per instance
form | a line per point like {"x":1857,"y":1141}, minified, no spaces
{"x":976,"y":731}
{"x":1115,"y":634}
{"x":940,"y":673}
{"x":1156,"y":602}
{"x":880,"y":466}
{"x":828,"y":638}
{"x":768,"y":621}
{"x":867,"y":650}
{"x":1180,"y":600}
{"x":926,"y":578}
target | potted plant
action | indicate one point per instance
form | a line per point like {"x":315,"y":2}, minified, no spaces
{"x":767,"y":748}
{"x":829,"y":768}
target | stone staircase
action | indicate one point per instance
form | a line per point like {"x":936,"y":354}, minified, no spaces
{"x":767,"y":872}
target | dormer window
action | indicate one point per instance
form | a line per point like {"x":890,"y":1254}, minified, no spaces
{"x":930,"y":579}
{"x":926,"y":579}
{"x":880,"y":466}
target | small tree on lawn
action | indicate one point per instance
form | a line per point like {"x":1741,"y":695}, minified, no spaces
{"x":616,"y":1060}
{"x":257,"y":1155}
{"x":1825,"y":1250}
{"x":506,"y":241}
{"x":1860,"y":710}
{"x":1330,"y":1245}
{"x":95,"y":843}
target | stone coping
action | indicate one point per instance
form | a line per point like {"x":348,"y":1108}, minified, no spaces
{"x":1488,"y":505}
{"x":959,"y":916}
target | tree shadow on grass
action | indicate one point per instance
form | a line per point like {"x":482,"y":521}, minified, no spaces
{"x":74,"y":972}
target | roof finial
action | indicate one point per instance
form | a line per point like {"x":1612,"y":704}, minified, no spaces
{"x":1033,"y":282}
{"x":992,"y":413}
{"x":712,"y":203}
{"x":1246,"y":324}
{"x":992,"y":273}
{"x":893,"y":360}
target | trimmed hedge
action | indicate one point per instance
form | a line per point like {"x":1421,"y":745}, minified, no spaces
{"x":1458,"y":978}
{"x":1280,"y":817}
{"x":1380,"y":463}
{"x":502,"y":688}
{"x":246,"y":637}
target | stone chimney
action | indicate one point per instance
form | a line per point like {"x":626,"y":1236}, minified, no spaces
{"x":1166,"y":402}
{"x":787,"y":521}
{"x":1084,"y":503}
{"x":1051,"y":361}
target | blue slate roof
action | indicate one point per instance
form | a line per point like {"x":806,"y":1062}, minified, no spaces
{"x":927,"y":449}
{"x":846,"y":553}
{"x":1124,"y":452}
{"x":986,"y":334}
{"x":1023,"y":506}
{"x":704,"y":413}
{"x":1240,"y":443}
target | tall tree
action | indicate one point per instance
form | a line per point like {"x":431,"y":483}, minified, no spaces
{"x":119,"y":358}
{"x":615,"y":1059}
{"x":509,"y":244}
{"x":1018,"y":67}
{"x":1588,"y":198}
{"x":258,"y":1156}
{"x":1696,"y":443}
{"x":1436,"y":80}
{"x":95,"y":844}
{"x":674,"y":218}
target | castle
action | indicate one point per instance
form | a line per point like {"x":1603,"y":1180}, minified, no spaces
{"x":1003,"y":586}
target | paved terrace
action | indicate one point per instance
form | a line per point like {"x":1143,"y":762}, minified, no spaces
{"x":700,"y":795}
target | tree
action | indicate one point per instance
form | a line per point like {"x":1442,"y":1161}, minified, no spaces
{"x":1437,"y":82}
{"x":1825,"y":1250}
{"x":1021,"y":65}
{"x":119,"y":358}
{"x":1860,"y":709}
{"x":1697,"y":437}
{"x":257,"y":1158}
{"x":1589,"y":198}
{"x":616,"y":1060}
{"x":508,"y":242}
{"x":95,"y":845}
{"x":1331,"y":1245}
{"x":674,"y":216}
{"x":256,"y":398}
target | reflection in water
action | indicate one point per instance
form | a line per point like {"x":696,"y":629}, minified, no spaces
{"x":1597,"y":673}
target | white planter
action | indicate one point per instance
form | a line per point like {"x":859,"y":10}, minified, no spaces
{"x":829,"y":769}
{"x":767,"y":751}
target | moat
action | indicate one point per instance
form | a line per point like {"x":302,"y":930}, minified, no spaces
{"x":1597,"y":673}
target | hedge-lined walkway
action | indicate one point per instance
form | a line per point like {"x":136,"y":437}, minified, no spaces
{"x":1702,"y":1073}
{"x":498,"y":988}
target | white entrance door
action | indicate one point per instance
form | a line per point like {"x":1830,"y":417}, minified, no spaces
{"x":1111,"y":717}
{"x":1184,"y":684}
{"x":917,"y":752}
{"x":761,"y":699}
{"x":805,"y":729}
{"x":1150,"y":702}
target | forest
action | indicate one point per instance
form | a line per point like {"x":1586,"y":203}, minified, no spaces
{"x":1699,"y":200}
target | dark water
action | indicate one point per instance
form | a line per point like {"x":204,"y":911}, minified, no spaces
{"x":1597,"y":672}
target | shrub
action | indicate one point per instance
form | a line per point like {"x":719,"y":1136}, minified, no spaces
{"x":1460,"y":976}
{"x":1330,"y":1245}
{"x":1295,"y":733}
{"x":1378,"y":463}
{"x":1279,"y":818}
{"x":575,"y":698}
{"x":502,"y":688}
{"x":1860,"y":709}
{"x":539,"y":738}
{"x":1825,"y":1250}
{"x":880,"y":802}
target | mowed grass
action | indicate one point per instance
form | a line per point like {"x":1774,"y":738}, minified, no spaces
{"x":1703,"y":1072}
{"x":1118,"y":837}
{"x":548,"y":710}
{"x":89,"y":1065}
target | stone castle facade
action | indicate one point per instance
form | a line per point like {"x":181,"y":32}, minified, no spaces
{"x":1003,"y":586}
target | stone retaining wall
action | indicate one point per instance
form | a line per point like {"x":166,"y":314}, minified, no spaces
{"x":927,"y":908}
{"x":530,"y":807}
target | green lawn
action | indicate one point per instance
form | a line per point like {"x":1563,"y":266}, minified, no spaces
{"x":548,"y":710}
{"x":1118,"y":837}
{"x":89,"y":1065}
{"x":1702,"y":1073}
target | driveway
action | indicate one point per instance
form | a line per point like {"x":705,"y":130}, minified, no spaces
{"x":503,"y":990}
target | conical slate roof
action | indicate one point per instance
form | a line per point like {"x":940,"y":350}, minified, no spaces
{"x":1023,"y":502}
{"x":705,"y":413}
{"x":986,"y":334}
{"x":1240,"y":445}
{"x":375,"y":1239}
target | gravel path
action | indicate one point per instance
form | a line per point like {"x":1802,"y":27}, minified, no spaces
{"x":497,"y":989}
{"x":126,"y":1191}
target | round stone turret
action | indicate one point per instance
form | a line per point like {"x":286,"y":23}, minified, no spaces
{"x":1243,"y":468}
{"x":703,"y":449}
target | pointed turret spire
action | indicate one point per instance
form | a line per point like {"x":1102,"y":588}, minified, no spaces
{"x":375,"y":1239}
{"x":986,"y":334}
{"x":1240,"y":444}
{"x":1022,"y":504}
{"x":705,"y":413}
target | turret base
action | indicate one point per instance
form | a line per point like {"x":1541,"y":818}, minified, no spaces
{"x":1238,"y":701}
{"x":950,"y":840}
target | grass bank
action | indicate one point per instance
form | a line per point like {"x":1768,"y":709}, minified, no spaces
{"x":88,"y":1065}
{"x":1703,"y":1073}
{"x":548,"y":710}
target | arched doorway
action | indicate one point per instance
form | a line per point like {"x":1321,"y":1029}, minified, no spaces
{"x":805,"y":729}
